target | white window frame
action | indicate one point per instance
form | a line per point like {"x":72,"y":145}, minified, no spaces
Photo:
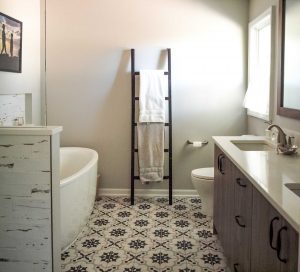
{"x":255,"y":26}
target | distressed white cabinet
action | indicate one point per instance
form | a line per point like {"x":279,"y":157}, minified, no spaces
{"x":29,"y":199}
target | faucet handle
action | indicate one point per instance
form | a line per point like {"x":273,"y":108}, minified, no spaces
{"x":291,"y":140}
{"x":268,"y":122}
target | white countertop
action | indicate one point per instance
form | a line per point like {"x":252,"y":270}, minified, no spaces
{"x":31,"y":130}
{"x":268,"y":172}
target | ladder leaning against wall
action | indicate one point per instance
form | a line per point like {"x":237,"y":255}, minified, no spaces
{"x":134,"y":150}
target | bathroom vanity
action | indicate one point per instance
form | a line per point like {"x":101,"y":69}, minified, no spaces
{"x":29,"y":199}
{"x":256,"y":206}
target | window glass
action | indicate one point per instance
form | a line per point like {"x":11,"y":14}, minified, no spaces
{"x":257,"y":98}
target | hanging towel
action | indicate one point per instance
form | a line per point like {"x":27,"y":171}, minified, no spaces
{"x":152,"y":96}
{"x":151,"y":151}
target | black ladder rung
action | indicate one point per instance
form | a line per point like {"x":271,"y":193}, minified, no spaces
{"x":138,"y":98}
{"x":165,"y":150}
{"x":137,"y":177}
{"x":138,"y":73}
{"x":166,"y":124}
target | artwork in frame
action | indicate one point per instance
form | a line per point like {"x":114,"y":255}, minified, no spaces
{"x":10,"y":44}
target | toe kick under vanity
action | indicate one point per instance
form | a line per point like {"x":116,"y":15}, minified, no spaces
{"x":29,"y":199}
{"x":256,"y":214}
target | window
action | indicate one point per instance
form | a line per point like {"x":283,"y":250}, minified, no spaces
{"x":257,"y":98}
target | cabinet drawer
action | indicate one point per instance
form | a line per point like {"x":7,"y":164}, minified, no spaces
{"x":274,"y":241}
{"x":242,"y":198}
{"x":288,"y":251}
{"x":223,"y":201}
{"x":242,"y":222}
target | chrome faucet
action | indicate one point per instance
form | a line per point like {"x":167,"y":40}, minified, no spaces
{"x":284,"y":146}
{"x":281,"y":139}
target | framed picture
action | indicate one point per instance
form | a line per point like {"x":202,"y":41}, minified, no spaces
{"x":10,"y":44}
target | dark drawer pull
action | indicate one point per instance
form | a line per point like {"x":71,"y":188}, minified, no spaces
{"x":235,"y":266}
{"x":219,"y":161}
{"x":271,"y":232}
{"x":284,"y":260}
{"x":222,"y":157}
{"x":237,"y":220}
{"x":238,"y":181}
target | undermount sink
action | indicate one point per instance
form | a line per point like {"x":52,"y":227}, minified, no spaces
{"x":253,"y":145}
{"x":294,"y":187}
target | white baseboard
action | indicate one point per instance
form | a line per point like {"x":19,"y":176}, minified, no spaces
{"x":145,"y":192}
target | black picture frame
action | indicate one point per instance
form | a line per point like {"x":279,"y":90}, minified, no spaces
{"x":10,"y":44}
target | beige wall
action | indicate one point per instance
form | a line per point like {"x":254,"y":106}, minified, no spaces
{"x":28,"y":12}
{"x":88,"y":79}
{"x":257,"y":126}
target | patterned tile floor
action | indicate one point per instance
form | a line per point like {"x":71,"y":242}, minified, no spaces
{"x":149,"y":236}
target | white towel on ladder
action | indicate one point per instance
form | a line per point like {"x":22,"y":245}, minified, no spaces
{"x":152,"y":96}
{"x":151,"y":151}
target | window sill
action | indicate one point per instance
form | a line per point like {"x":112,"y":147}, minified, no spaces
{"x":258,"y":115}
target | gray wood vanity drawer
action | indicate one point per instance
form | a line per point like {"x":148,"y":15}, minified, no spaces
{"x":255,"y":237}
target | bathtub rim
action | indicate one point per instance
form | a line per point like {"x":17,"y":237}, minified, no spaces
{"x":94,"y":159}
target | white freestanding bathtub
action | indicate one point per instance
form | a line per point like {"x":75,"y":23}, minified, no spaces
{"x":78,"y":182}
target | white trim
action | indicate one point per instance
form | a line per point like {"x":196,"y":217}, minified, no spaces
{"x":145,"y":192}
{"x":259,"y":115}
{"x":265,"y":18}
{"x":262,"y":16}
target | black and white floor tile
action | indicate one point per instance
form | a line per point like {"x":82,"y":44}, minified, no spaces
{"x":149,"y":236}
